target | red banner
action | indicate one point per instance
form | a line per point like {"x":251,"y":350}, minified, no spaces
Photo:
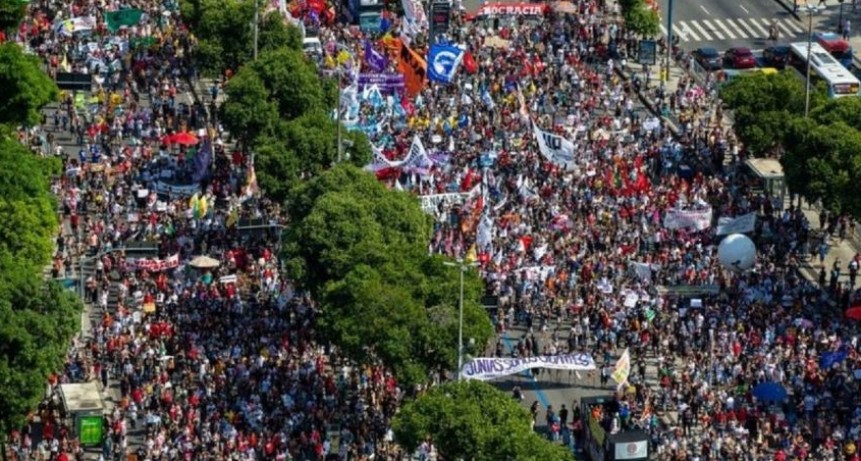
{"x":512,"y":9}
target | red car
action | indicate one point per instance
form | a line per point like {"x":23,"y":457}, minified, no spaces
{"x":739,"y":58}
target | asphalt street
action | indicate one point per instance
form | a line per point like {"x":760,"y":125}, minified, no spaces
{"x":729,"y":23}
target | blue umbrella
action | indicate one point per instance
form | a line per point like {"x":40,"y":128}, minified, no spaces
{"x":770,"y":392}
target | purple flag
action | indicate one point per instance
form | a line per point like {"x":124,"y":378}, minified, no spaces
{"x":376,"y":61}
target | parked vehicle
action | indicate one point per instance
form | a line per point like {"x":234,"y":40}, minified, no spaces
{"x":776,"y":56}
{"x":739,"y":58}
{"x":708,"y":58}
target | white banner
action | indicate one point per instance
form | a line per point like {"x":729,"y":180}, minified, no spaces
{"x":485,"y":369}
{"x":430,"y":203}
{"x":631,"y":450}
{"x":680,"y":219}
{"x":417,"y":159}
{"x":164,"y":188}
{"x":738,"y":225}
{"x":416,"y":18}
{"x":555,"y":148}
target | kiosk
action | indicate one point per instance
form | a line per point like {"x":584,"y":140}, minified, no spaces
{"x":770,"y":172}
{"x":600,"y":445}
{"x":83,"y":406}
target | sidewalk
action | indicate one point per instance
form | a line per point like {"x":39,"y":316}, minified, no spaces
{"x":843,"y":250}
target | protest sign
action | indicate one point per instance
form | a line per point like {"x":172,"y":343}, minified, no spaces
{"x":681,"y":219}
{"x":155,"y":265}
{"x":485,"y":369}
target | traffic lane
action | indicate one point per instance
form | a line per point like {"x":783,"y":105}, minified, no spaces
{"x":723,"y":45}
{"x":696,"y":10}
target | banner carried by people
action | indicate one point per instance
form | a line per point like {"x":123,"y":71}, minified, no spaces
{"x":738,"y":225}
{"x":555,"y":148}
{"x":681,"y":219}
{"x":154,"y":265}
{"x":512,"y":9}
{"x":444,"y":60}
{"x":77,"y":24}
{"x":386,"y":82}
{"x":414,"y":69}
{"x":488,"y":368}
{"x":431,"y":203}
{"x":380,"y":162}
{"x":417,"y":160}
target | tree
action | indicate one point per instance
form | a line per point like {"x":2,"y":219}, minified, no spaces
{"x":360,"y":248}
{"x":641,"y":18}
{"x":764,"y":105}
{"x":11,"y":13}
{"x":292,"y":82}
{"x":473,"y":420}
{"x":248,"y":112}
{"x":225,"y":32}
{"x":26,"y":89}
{"x":821,"y":162}
{"x":304,"y":148}
{"x":846,"y":110}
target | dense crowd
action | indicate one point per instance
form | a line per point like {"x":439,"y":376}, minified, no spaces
{"x":220,"y":361}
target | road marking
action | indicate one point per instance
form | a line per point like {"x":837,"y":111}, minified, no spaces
{"x":742,"y":32}
{"x":713,"y":29}
{"x":706,"y":11}
{"x":789,"y":32}
{"x":795,"y":26}
{"x":678,"y":32}
{"x":728,"y":32}
{"x":757,"y":29}
{"x":664,"y":30}
{"x":745,"y":9}
{"x":702,"y":31}
{"x":689,"y":34}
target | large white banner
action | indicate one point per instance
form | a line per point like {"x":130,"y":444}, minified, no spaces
{"x":154,"y":265}
{"x":555,"y":148}
{"x":680,"y":219}
{"x":488,"y":368}
{"x":738,"y":225}
{"x":430,"y":203}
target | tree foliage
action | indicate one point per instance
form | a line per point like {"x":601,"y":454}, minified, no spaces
{"x":25,"y":88}
{"x":292,"y":82}
{"x":11,"y":13}
{"x":641,"y":18}
{"x":473,"y":420}
{"x":248,"y":112}
{"x":821,"y":154}
{"x":360,"y":248}
{"x":225,"y":32}
{"x":37,"y":319}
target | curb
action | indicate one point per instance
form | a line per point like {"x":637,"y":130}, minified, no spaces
{"x":789,"y":9}
{"x":650,"y":104}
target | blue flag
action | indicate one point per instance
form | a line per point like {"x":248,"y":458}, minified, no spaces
{"x":443,"y":62}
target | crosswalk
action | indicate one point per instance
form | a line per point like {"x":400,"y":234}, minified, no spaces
{"x":707,"y":30}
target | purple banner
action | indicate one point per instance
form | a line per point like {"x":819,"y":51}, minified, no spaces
{"x":388,"y":83}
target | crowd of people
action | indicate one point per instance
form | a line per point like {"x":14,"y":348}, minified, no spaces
{"x":221,"y":361}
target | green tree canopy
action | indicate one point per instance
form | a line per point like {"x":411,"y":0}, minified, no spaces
{"x":292,"y":82}
{"x":11,"y":13}
{"x":473,"y":420}
{"x":303,"y":148}
{"x":225,"y":32}
{"x":640,"y":18}
{"x":764,"y":105}
{"x":248,"y":112}
{"x":361,"y":249}
{"x":821,"y":162}
{"x":25,"y":88}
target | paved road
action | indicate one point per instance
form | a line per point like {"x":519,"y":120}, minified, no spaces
{"x":729,"y":23}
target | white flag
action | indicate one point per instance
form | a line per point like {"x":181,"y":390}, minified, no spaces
{"x":555,"y":148}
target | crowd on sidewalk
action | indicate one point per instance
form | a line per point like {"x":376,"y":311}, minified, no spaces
{"x":221,"y":361}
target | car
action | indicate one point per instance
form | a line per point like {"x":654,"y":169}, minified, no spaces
{"x":708,"y":58}
{"x":739,"y":58}
{"x":836,"y":45}
{"x":776,"y":56}
{"x":312,"y":46}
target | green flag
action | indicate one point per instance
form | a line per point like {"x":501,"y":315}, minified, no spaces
{"x":117,"y":19}
{"x":650,"y":315}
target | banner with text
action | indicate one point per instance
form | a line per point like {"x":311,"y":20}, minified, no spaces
{"x":155,"y":265}
{"x":431,"y":203}
{"x":555,"y":148}
{"x":485,"y":369}
{"x":738,"y":225}
{"x":681,"y":219}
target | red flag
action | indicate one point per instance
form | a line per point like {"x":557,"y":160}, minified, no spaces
{"x":469,"y":64}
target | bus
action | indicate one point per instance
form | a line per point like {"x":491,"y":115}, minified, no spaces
{"x":838,"y":80}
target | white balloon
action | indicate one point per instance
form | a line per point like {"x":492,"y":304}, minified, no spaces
{"x":737,"y":252}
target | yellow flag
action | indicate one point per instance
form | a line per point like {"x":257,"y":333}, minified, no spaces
{"x":343,"y":56}
{"x":329,"y":62}
{"x":471,"y":255}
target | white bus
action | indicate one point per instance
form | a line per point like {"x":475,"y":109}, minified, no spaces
{"x":839,"y":81}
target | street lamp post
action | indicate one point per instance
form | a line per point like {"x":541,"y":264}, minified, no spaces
{"x":810,"y":10}
{"x":669,"y":40}
{"x":462,"y":267}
